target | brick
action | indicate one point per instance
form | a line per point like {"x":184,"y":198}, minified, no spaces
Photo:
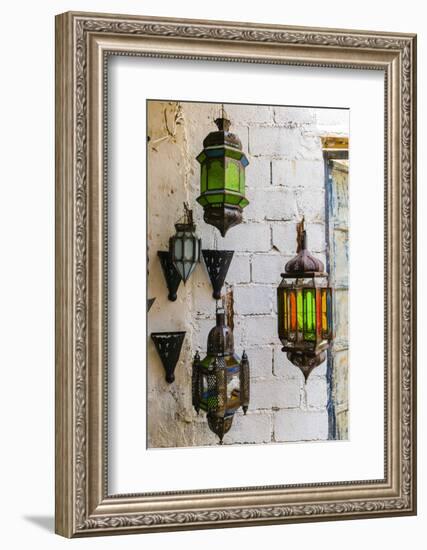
{"x":260,"y":330}
{"x":288,"y":143}
{"x":294,"y":116}
{"x":332,"y":121}
{"x":297,"y":425}
{"x":316,"y":392}
{"x":254,"y":427}
{"x":312,"y":204}
{"x":250,"y":300}
{"x":239,"y":270}
{"x":296,"y":174}
{"x":248,"y":114}
{"x":247,"y":237}
{"x":266,"y":268}
{"x":258,"y":173}
{"x":275,"y":392}
{"x":274,"y":203}
{"x":260,"y":361}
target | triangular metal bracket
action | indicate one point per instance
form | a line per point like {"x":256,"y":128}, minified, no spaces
{"x":217,"y":263}
{"x":168,"y":345}
{"x":172,"y":276}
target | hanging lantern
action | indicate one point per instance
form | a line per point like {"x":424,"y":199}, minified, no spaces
{"x":184,"y":246}
{"x":217,"y":263}
{"x":220,"y":382}
{"x":168,"y":346}
{"x":304,"y":305}
{"x":222,"y":179}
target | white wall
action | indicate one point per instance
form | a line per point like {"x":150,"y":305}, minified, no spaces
{"x":26,"y":301}
{"x":285,"y":180}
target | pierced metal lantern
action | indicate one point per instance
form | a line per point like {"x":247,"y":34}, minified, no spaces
{"x":168,"y":346}
{"x":184,"y":246}
{"x":222,"y":178}
{"x":217,"y":263}
{"x":304,"y":305}
{"x":220,"y":382}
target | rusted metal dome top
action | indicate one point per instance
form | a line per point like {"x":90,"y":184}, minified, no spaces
{"x":222,"y":136}
{"x":304,"y":261}
{"x":220,"y":339}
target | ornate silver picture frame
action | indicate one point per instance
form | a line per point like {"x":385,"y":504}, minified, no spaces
{"x":84,"y":42}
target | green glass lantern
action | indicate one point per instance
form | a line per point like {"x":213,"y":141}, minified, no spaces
{"x":222,"y":178}
{"x":304,"y":306}
{"x":220,"y":382}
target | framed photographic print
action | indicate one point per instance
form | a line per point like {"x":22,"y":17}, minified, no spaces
{"x":235,"y":276}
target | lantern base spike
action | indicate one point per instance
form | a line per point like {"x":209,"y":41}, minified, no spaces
{"x":306,"y":362}
{"x":219,"y":425}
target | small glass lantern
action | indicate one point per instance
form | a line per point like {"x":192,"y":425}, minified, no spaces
{"x":185,"y":246}
{"x":220,"y":382}
{"x":304,"y":305}
{"x":222,"y":178}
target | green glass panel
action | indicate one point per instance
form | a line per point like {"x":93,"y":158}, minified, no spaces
{"x":202,"y":200}
{"x":232,"y":176}
{"x":309,"y":314}
{"x":242,"y":180}
{"x":300,"y":313}
{"x":201,"y":157}
{"x":243,"y":202}
{"x":233,"y":154}
{"x":215,"y":198}
{"x":204,"y":178}
{"x":216,"y":174}
{"x":232,"y":199}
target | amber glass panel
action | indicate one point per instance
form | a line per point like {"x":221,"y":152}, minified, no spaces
{"x":324,"y":313}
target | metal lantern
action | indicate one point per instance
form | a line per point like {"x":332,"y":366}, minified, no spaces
{"x":172,"y":277}
{"x":304,"y":305}
{"x":222,"y":178}
{"x":220,"y":382}
{"x":184,"y":246}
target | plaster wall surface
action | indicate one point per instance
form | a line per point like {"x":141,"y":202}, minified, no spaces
{"x":285,"y":180}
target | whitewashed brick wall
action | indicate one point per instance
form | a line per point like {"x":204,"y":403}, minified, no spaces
{"x":285,"y":180}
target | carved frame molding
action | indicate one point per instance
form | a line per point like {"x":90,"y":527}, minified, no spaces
{"x":83,"y":43}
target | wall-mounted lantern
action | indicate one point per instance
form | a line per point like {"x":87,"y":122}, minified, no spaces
{"x":168,"y":345}
{"x":304,"y":305}
{"x":172,"y":277}
{"x":184,"y":246}
{"x":222,"y":178}
{"x":217,"y":263}
{"x":220,"y":382}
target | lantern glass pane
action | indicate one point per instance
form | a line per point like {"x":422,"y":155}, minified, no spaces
{"x":318,"y":313}
{"x":329,"y":309}
{"x":188,"y":249}
{"x":216,"y":174}
{"x":204,"y":178}
{"x":324,"y":313}
{"x":285,"y":312}
{"x":242,"y":180}
{"x":300,"y":310}
{"x":177,"y":249}
{"x":309,"y":314}
{"x":232,"y":176}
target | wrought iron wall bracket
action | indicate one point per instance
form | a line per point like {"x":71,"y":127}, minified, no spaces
{"x":168,"y":345}
{"x":172,"y":276}
{"x":217,"y":264}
